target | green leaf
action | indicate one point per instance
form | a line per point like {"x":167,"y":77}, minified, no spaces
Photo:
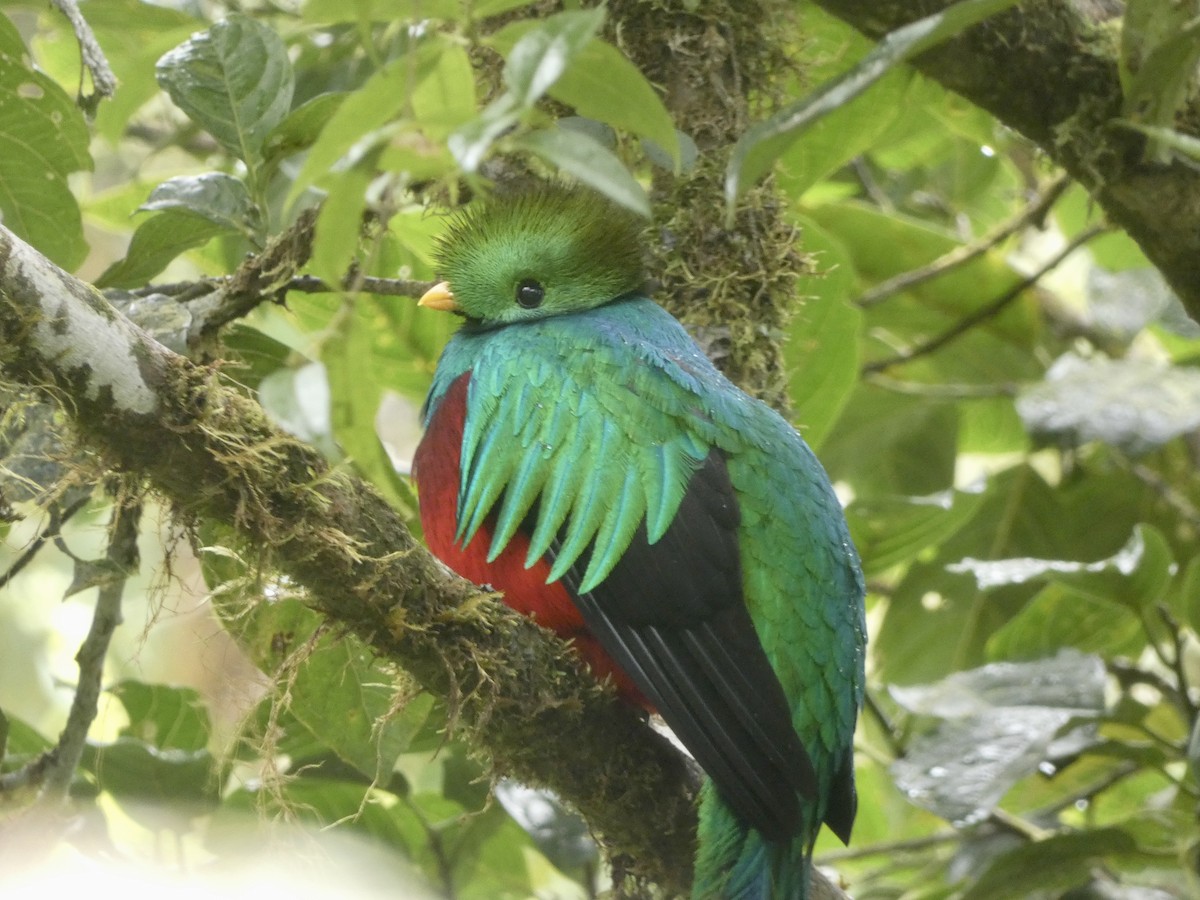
{"x":545,"y":52}
{"x":355,"y":130}
{"x":337,"y":689}
{"x":302,"y":126}
{"x":338,"y":237}
{"x":182,"y":782}
{"x":588,"y":160}
{"x":169,"y":718}
{"x":215,"y":196}
{"x":889,"y":531}
{"x":881,"y":245}
{"x":486,"y":8}
{"x":763,"y":143}
{"x":366,"y":11}
{"x":601,"y":83}
{"x":21,"y":743}
{"x":1052,"y":865}
{"x":470,"y":143}
{"x":1019,"y":515}
{"x":234,"y":80}
{"x":823,"y":345}
{"x":354,"y":372}
{"x":43,"y":138}
{"x":997,"y":723}
{"x":134,"y":34}
{"x":1189,"y":595}
{"x":443,"y":98}
{"x":851,"y":130}
{"x":1061,"y":616}
{"x":1137,"y":575}
{"x":1193,"y":750}
{"x":156,"y":242}
{"x":1159,"y":53}
{"x":1136,"y":404}
{"x":886,"y":443}
{"x":537,"y":60}
{"x":251,"y":354}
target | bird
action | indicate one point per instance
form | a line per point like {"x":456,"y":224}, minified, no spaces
{"x":583,"y":456}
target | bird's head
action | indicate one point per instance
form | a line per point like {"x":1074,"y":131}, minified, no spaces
{"x":543,"y":252}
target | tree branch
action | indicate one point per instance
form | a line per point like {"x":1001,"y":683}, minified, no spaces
{"x":1049,"y":70}
{"x":961,"y":327}
{"x":1033,"y":214}
{"x":520,"y":693}
{"x":53,"y":770}
{"x":94,"y":60}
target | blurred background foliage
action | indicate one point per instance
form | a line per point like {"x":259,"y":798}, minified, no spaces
{"x":1003,"y":390}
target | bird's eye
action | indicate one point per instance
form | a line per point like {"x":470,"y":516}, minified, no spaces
{"x":530,"y":294}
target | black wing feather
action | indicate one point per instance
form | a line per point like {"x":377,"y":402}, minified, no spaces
{"x":673,"y":616}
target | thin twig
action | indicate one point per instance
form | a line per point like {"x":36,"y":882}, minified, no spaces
{"x":53,"y":530}
{"x":944,"y":391}
{"x":1117,"y":775}
{"x":1177,"y":659}
{"x":122,"y":556}
{"x":55,"y":768}
{"x":366,"y":284}
{"x":892,"y":848}
{"x":986,"y":312}
{"x":1168,"y":493}
{"x":1127,"y":673}
{"x":890,"y":731}
{"x":1033,"y":214}
{"x":1017,"y":825}
{"x":94,"y":60}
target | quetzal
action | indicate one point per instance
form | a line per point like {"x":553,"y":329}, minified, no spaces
{"x":584,"y":457}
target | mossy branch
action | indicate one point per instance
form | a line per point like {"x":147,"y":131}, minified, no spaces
{"x":1049,"y":69}
{"x":518,"y":692}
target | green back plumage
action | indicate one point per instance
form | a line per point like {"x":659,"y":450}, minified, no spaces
{"x":598,"y":412}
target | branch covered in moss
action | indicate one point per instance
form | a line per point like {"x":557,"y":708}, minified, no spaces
{"x":1049,"y":69}
{"x":518,"y":692}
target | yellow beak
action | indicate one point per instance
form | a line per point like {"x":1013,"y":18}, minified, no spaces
{"x":439,"y":297}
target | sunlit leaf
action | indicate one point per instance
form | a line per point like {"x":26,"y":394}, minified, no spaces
{"x":302,"y":126}
{"x":583,"y":157}
{"x":544,"y":53}
{"x":366,"y":11}
{"x":354,"y":131}
{"x":354,"y":365}
{"x":43,"y":139}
